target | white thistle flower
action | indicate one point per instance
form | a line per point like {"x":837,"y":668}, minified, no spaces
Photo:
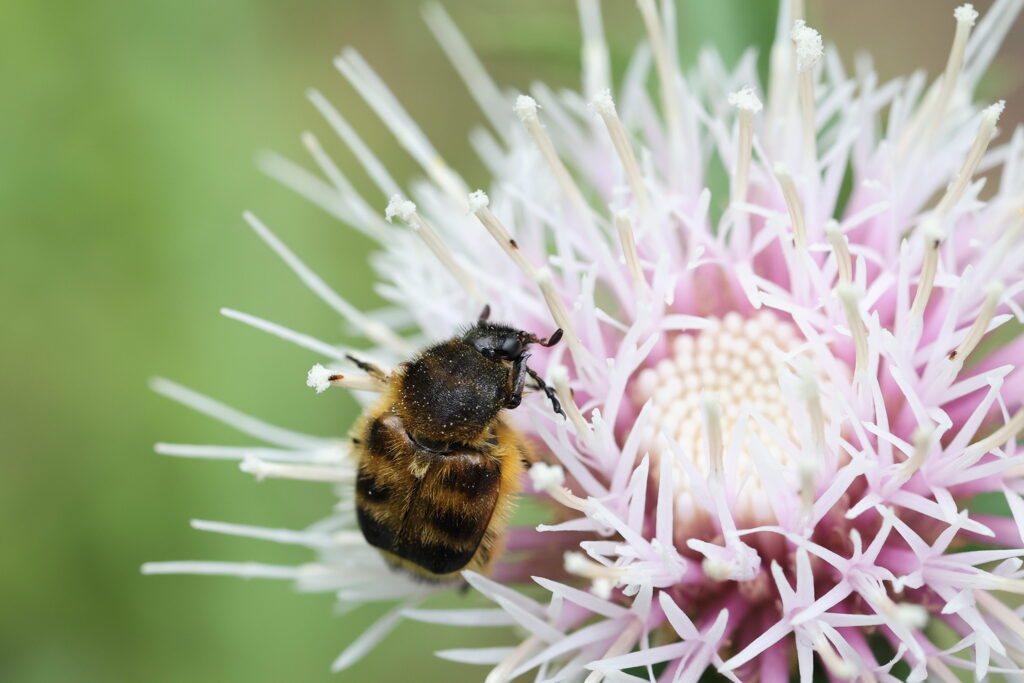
{"x":777,"y":418}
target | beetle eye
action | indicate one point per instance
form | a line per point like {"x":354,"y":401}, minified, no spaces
{"x":511,"y":348}
{"x":488,"y":353}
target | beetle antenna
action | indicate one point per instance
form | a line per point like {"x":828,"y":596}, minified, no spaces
{"x":552,"y":340}
{"x":484,"y":314}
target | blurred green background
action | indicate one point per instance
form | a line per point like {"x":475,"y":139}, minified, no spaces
{"x":129,"y":134}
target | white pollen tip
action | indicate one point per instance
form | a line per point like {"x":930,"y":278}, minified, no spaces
{"x":559,"y":374}
{"x":780,"y":169}
{"x":398,"y":206}
{"x":715,"y":569}
{"x":911,"y":615}
{"x":546,"y":477}
{"x":603,"y":103}
{"x":478,"y":200}
{"x":993,"y":112}
{"x":966,"y":14}
{"x":933,"y":231}
{"x":745,"y":100}
{"x":308,"y":140}
{"x":575,"y":563}
{"x":318,"y":378}
{"x":808,"y":45}
{"x":526,"y":108}
{"x":994,"y":291}
{"x":832,"y":228}
{"x":544,"y":276}
{"x":602,"y":588}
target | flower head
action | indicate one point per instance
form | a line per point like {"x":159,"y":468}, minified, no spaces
{"x":777,"y":417}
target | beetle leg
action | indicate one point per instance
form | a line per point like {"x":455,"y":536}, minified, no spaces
{"x":517,"y":379}
{"x":369,"y":368}
{"x":542,"y":385}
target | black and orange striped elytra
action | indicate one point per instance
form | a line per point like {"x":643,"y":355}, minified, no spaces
{"x":438,"y":467}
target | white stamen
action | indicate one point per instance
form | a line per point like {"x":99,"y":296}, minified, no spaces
{"x":397,"y":206}
{"x":595,"y":49}
{"x":560,"y":380}
{"x":986,"y":129}
{"x":374,"y":168}
{"x":810,"y":465}
{"x":911,"y":615}
{"x":269,"y":470}
{"x":748,"y":105}
{"x":620,"y":646}
{"x":923,"y":439}
{"x":501,"y":673}
{"x":849,"y":296}
{"x":380,"y":98}
{"x":624,"y":226}
{"x":667,"y":69}
{"x":229,"y":416}
{"x":998,"y":609}
{"x":603,"y":578}
{"x":245,"y":570}
{"x":993,"y":295}
{"x":284,"y":536}
{"x":605,"y":107}
{"x":406,"y":211}
{"x":807,"y":43}
{"x":834,"y":662}
{"x":320,"y":378}
{"x":1008,"y":431}
{"x":796,"y":210}
{"x":546,"y":477}
{"x":808,"y":53}
{"x":375,"y":331}
{"x":332,"y":454}
{"x":934,"y":112}
{"x":480,"y":85}
{"x":478,"y":202}
{"x":841,"y":249}
{"x":304,"y":340}
{"x":526,"y":108}
{"x":478,"y":199}
{"x":933,"y":236}
{"x":711,"y":415}
{"x":546,"y":283}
